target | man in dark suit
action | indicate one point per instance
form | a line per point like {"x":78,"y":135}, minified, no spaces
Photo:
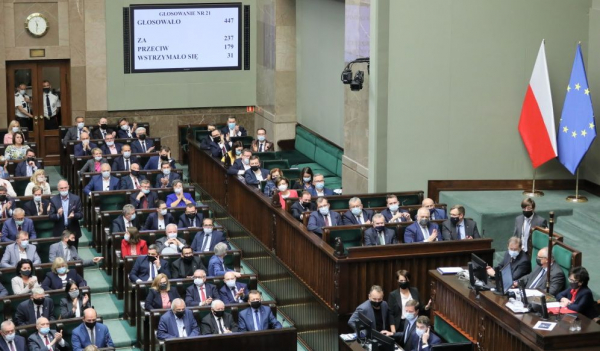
{"x":191,"y":218}
{"x":377,"y":310}
{"x":323,"y":217}
{"x":423,"y":337}
{"x":102,"y":131}
{"x":205,"y":143}
{"x":164,"y":155}
{"x":133,"y":180}
{"x":144,"y":198}
{"x":142,"y":145}
{"x":356,"y":214}
{"x":406,"y":337}
{"x":36,"y":206}
{"x":74,"y":133}
{"x":102,"y":182}
{"x":65,"y":211}
{"x":85,"y":147}
{"x":39,"y":305}
{"x":206,"y":240}
{"x":28,"y":166}
{"x":200,"y":293}
{"x":17,"y":223}
{"x":125,"y":130}
{"x":517,"y":258}
{"x":170,"y":242}
{"x":46,"y":339}
{"x":261,"y":144}
{"x":241,"y":165}
{"x":10,"y":341}
{"x":67,"y":251}
{"x":257,"y":316}
{"x":185,"y":266}
{"x":233,"y":291}
{"x":537,"y":278}
{"x":423,"y":230}
{"x":166,"y":178}
{"x":379,"y":234}
{"x":179,"y":322}
{"x":457,"y":227}
{"x":125,"y":220}
{"x":110,"y":147}
{"x":124,"y":162}
{"x":219,"y":146}
{"x":304,"y":204}
{"x":90,"y":332}
{"x":233,"y":129}
{"x":319,"y":188}
{"x":435,"y":213}
{"x":527,"y":221}
{"x":218,"y":321}
{"x":255,"y":174}
{"x":146,"y":268}
{"x":393,"y":213}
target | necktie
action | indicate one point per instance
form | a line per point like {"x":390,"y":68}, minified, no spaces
{"x":47,"y":343}
{"x":145,"y":202}
{"x":219,"y":321}
{"x":193,"y":222}
{"x":261,"y":149}
{"x":103,"y":134}
{"x":257,"y":325}
{"x":152,"y":272}
{"x":234,"y":292}
{"x":360,"y":220}
{"x":538,"y":279}
{"x":143,"y":146}
{"x":78,"y":134}
{"x":327,"y":222}
{"x":382,"y":238}
{"x":11,"y":345}
{"x":93,"y":337}
{"x":40,"y":211}
{"x":223,"y":150}
{"x":460,"y":234}
{"x":206,"y":242}
{"x":39,"y":311}
{"x":48,"y":107}
{"x":202,"y":294}
{"x":406,"y":329}
{"x":126,"y":165}
{"x":135,"y":183}
{"x":425,"y":232}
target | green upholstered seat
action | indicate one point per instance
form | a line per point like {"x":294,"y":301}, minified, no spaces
{"x":281,"y":164}
{"x":447,"y":332}
{"x":112,"y":202}
{"x":246,"y":140}
{"x":539,"y":240}
{"x":20,"y":185}
{"x":199,"y":135}
{"x":44,"y":229}
{"x":318,"y":169}
{"x":267,"y":156}
{"x":563,"y":257}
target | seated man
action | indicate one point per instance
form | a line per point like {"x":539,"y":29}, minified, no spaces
{"x":74,"y":133}
{"x":527,"y":221}
{"x":304,"y":204}
{"x":323,"y":217}
{"x":110,"y":147}
{"x":164,"y":155}
{"x":255,"y":174}
{"x":241,"y":165}
{"x":144,"y":198}
{"x":146,"y":268}
{"x":165,"y":180}
{"x":218,"y":321}
{"x":216,"y":264}
{"x":179,"y":322}
{"x":185,"y":266}
{"x":18,"y":250}
{"x":133,"y":180}
{"x":205,"y":143}
{"x":124,"y":162}
{"x":424,"y":337}
{"x":66,"y":249}
{"x":102,"y":182}
{"x":257,"y":317}
{"x":170,"y":242}
{"x":27,"y":167}
{"x":125,"y":220}
{"x":85,"y":147}
{"x":520,"y":265}
{"x":422,"y":230}
{"x":219,"y":145}
{"x":435,"y":213}
{"x":319,"y":188}
{"x":233,"y":291}
{"x":457,"y":227}
{"x":90,"y":332}
{"x":38,"y":305}
{"x":261,"y":144}
{"x":209,"y":238}
{"x":126,"y":131}
{"x":102,"y":130}
{"x":200,"y":293}
{"x":46,"y":339}
{"x":537,"y":278}
{"x":379,"y":234}
{"x":393,"y":213}
{"x":16,"y":224}
{"x":356,"y":214}
{"x":233,"y":129}
{"x":377,"y":310}
{"x":36,"y":206}
{"x":10,"y":341}
{"x":160,"y":219}
{"x":142,"y":145}
{"x":191,"y":218}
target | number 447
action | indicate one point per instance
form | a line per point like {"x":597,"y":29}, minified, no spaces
{"x":228,"y":20}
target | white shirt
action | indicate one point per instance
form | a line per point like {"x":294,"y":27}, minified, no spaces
{"x":320,"y":193}
{"x":526,"y":227}
{"x":20,"y":101}
{"x":161,"y":223}
{"x":425,"y":231}
{"x":105,"y":184}
{"x":54,"y":104}
{"x":258,"y":175}
{"x":22,"y":254}
{"x":181,"y":327}
{"x":404,"y":301}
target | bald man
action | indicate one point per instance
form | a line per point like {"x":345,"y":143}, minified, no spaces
{"x":423,"y":230}
{"x":90,"y":332}
{"x":434,"y":213}
{"x":45,"y":338}
{"x":85,"y":147}
{"x":65,"y":211}
{"x":537,"y":278}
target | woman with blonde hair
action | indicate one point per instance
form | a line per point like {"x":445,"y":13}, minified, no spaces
{"x":38,"y":178}
{"x":161,"y":294}
{"x":60,"y":275}
{"x":13,"y":127}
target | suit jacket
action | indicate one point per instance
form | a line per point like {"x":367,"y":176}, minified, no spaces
{"x":97,"y":134}
{"x":209,"y":325}
{"x":412,"y":340}
{"x":372,"y":237}
{"x":251,"y":179}
{"x":216,"y":267}
{"x":20,"y":344}
{"x":414,"y":234}
{"x":53,"y":282}
{"x":367,"y":309}
{"x":26,"y":314}
{"x":152,"y":198}
{"x":66,"y":307}
{"x":9,"y":229}
{"x":119,"y":163}
{"x":136,"y":146}
{"x":128,"y":184}
{"x":536,"y":221}
{"x":267,"y":319}
{"x":349,"y":219}
{"x":316,"y":221}
{"x":122,"y":134}
{"x":236,"y":167}
{"x":154,"y":300}
{"x":192,"y":295}
{"x":173,"y":197}
{"x":96,"y":184}
{"x":387,"y":215}
{"x":21,"y":169}
{"x":90,"y":165}
{"x":59,"y":221}
{"x":227,"y":296}
{"x":118,"y":224}
{"x":241,"y":130}
{"x":520,"y":266}
{"x":584,"y":301}
{"x":152,"y":221}
{"x":395,"y":305}
{"x":298,"y":209}
{"x":215,"y":238}
{"x":57,"y":250}
{"x":167,"y":326}
{"x":417,"y":343}
{"x":326,"y":192}
{"x":470,"y":229}
{"x":215,"y":149}
{"x":184,"y":222}
{"x":11,"y":255}
{"x":141,"y":269}
{"x":3,"y":291}
{"x":80,"y":338}
{"x":205,"y":143}
{"x":178,"y":267}
{"x":269,"y":146}
{"x":172,"y":176}
{"x":30,"y":207}
{"x":70,"y":135}
{"x":153,"y":163}
{"x":161,"y":243}
{"x":36,"y":343}
{"x":557,"y":279}
{"x":106,"y":150}
{"x":78,"y":150}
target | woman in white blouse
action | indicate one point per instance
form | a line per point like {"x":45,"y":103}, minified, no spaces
{"x":38,"y":178}
{"x":25,"y":279}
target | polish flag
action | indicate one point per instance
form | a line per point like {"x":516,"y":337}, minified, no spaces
{"x":536,"y":125}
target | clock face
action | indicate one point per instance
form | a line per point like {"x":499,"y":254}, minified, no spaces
{"x":36,"y":24}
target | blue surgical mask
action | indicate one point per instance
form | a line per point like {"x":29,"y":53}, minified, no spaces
{"x":324,"y":210}
{"x":411,"y":316}
{"x":64,"y":193}
{"x":246,"y":161}
{"x":394,"y":208}
{"x":356,"y":211}
{"x":15,"y":129}
{"x":513,"y":254}
{"x":261,"y":138}
{"x":231,"y":125}
{"x":306,"y":179}
{"x":320,"y":185}
{"x":238,"y":152}
{"x":98,"y":158}
{"x":80,"y":125}
{"x":177,"y":190}
{"x":9,"y":337}
{"x":164,"y":212}
{"x":105,"y":174}
{"x":24,"y":243}
{"x":126,"y":237}
{"x":132,"y":217}
{"x":146,"y":191}
{"x":230,"y":283}
{"x":166,"y":171}
{"x":124,"y":127}
{"x":37,"y":198}
{"x":110,"y":143}
{"x":19,"y":222}
{"x":207,"y":230}
{"x":44,"y":330}
{"x":420,"y":332}
{"x":61,"y":270}
{"x":127,"y":154}
{"x":172,"y":235}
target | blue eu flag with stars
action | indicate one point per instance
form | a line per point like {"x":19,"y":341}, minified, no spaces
{"x":577,"y":129}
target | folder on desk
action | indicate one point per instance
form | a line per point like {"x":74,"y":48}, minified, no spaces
{"x":449,"y":270}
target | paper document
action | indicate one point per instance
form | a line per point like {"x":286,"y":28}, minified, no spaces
{"x":553,"y":304}
{"x":449,"y":270}
{"x":529,"y":292}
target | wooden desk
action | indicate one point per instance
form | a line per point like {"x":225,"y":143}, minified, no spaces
{"x":355,"y":346}
{"x":486,"y":321}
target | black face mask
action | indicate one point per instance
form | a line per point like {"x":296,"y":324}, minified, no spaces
{"x":527,"y":214}
{"x":46,"y":90}
{"x":164,"y":157}
{"x":254,"y":168}
{"x":376,"y":304}
{"x":403,"y":285}
{"x":103,"y":126}
{"x":2,"y":197}
{"x":538,"y":261}
{"x":135,"y":173}
{"x":255,"y":304}
{"x":306,"y":204}
{"x":454,"y":220}
{"x":151,"y":258}
{"x":379,"y":228}
{"x":90,"y":325}
{"x":39,"y":302}
{"x":574,"y":285}
{"x":26,"y":273}
{"x":217,"y":139}
{"x":71,"y":242}
{"x":188,"y":259}
{"x":180,"y":314}
{"x":219,"y":314}
{"x":190,"y":215}
{"x":162,"y":286}
{"x":142,"y":136}
{"x":30,"y":159}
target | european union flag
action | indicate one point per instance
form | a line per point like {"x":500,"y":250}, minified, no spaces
{"x":577,"y":129}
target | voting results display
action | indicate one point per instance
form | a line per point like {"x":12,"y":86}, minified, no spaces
{"x":198,"y":37}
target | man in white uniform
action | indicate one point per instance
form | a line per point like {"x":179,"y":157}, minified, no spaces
{"x":51,"y":106}
{"x":23,"y":106}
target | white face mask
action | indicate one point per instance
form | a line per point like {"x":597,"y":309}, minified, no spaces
{"x":41,"y":179}
{"x":163,"y":212}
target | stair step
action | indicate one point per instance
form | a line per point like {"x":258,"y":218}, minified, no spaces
{"x":267,"y":267}
{"x":286,"y":289}
{"x":309,"y":315}
{"x":107,"y":305}
{"x":122,"y":334}
{"x":97,"y":280}
{"x":324,"y":339}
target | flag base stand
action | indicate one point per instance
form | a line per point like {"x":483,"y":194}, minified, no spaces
{"x":577,"y":198}
{"x":535,"y":193}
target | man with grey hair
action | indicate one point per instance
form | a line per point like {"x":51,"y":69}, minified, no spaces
{"x":206,"y":240}
{"x":142,"y":145}
{"x":179,"y":322}
{"x":20,"y":249}
{"x":356,"y":214}
{"x":200,"y":293}
{"x":218,"y":321}
{"x":45,"y":338}
{"x":38,"y":306}
{"x":17,"y":223}
{"x":10,"y":340}
{"x":65,"y":248}
{"x":323,"y":217}
{"x":65,"y":211}
{"x":170,"y":241}
{"x":103,"y":181}
{"x":216,"y":264}
{"x":125,"y":220}
{"x":423,"y":230}
{"x":379,"y":234}
{"x":319,"y":188}
{"x":233,"y":291}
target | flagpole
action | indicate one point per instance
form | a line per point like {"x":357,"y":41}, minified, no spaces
{"x":577,"y":197}
{"x":533,"y":192}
